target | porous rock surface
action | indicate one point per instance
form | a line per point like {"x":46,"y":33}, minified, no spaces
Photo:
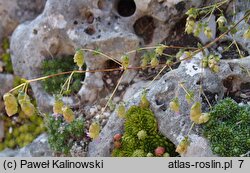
{"x":242,"y":7}
{"x":14,"y":12}
{"x":171,"y":125}
{"x":38,"y":148}
{"x":5,"y":85}
{"x":111,"y":26}
{"x":67,"y":25}
{"x":7,"y":80}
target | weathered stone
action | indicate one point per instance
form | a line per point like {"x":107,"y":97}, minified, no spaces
{"x":14,"y":12}
{"x":38,"y":148}
{"x":1,"y":66}
{"x":171,"y":125}
{"x":68,"y":25}
{"x":212,"y":25}
{"x":241,"y":6}
{"x":142,"y":5}
{"x":5,"y":85}
{"x":1,"y":130}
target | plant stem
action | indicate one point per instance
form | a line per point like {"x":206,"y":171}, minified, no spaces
{"x":156,"y":76}
{"x":130,"y":68}
{"x":190,"y":128}
{"x":65,"y":83}
{"x":165,"y":46}
{"x":206,"y":99}
{"x":113,"y":93}
{"x":17,"y":87}
{"x":238,"y":49}
{"x":107,"y":56}
{"x":70,"y":77}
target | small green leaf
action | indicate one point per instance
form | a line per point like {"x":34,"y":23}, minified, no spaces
{"x":96,"y":52}
{"x":79,"y":58}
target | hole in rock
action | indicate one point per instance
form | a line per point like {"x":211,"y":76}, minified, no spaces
{"x":109,"y":64}
{"x":245,"y":86}
{"x":110,"y":78}
{"x":232,"y":83}
{"x":178,"y":37}
{"x":198,"y":82}
{"x":100,"y":4}
{"x":144,"y":27}
{"x":230,"y":51}
{"x":75,"y":22}
{"x":126,"y":8}
{"x":245,"y":92}
{"x":180,"y":6}
{"x":161,"y":103}
{"x":90,"y":17}
{"x":211,"y":97}
{"x":90,"y":30}
{"x":236,"y":89}
{"x":35,"y":32}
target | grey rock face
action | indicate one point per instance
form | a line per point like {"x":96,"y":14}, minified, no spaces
{"x":171,"y":125}
{"x":38,"y":148}
{"x":14,"y":12}
{"x":212,"y":25}
{"x":1,"y":130}
{"x":5,"y":86}
{"x":111,"y":26}
{"x":69,"y":24}
{"x":241,"y":7}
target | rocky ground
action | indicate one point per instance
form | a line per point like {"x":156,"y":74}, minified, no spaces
{"x":40,"y":30}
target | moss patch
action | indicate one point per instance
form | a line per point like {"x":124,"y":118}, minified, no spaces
{"x":228,"y":129}
{"x":20,"y":130}
{"x":63,"y":135}
{"x":58,"y":65}
{"x":141,"y":135}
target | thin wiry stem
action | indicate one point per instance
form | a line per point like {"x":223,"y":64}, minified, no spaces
{"x":190,"y":128}
{"x":130,"y":68}
{"x":113,"y":93}
{"x":70,"y":77}
{"x":238,"y":49}
{"x":151,"y":82}
{"x":17,"y":87}
{"x":165,"y":46}
{"x":206,"y":99}
{"x":105,"y":55}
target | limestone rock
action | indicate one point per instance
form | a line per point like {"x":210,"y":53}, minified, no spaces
{"x":142,"y":5}
{"x":113,"y":26}
{"x":171,"y":125}
{"x":1,"y":130}
{"x":38,"y":148}
{"x":241,"y":7}
{"x":212,"y":25}
{"x":6,"y":81}
{"x":6,"y":85}
{"x":14,"y":12}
